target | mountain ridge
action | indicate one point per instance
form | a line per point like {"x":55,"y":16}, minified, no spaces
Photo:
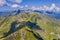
{"x":29,"y":25}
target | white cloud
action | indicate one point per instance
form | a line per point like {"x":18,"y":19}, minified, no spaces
{"x":53,"y":6}
{"x":36,"y":8}
{"x":18,"y":1}
{"x":46,"y":7}
{"x":33,"y":8}
{"x":21,"y":6}
{"x":15,"y":6}
{"x":57,"y":9}
{"x":2,"y":2}
{"x":26,"y":5}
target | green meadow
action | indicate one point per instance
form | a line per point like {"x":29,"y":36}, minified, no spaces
{"x":29,"y":26}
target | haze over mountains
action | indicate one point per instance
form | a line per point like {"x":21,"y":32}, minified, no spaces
{"x":52,"y":11}
{"x":53,"y":14}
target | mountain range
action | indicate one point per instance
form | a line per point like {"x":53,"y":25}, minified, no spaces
{"x":52,"y":14}
{"x":29,"y":25}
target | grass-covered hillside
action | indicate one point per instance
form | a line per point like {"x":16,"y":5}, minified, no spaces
{"x":29,"y":26}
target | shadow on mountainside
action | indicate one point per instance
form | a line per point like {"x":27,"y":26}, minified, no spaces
{"x":36,"y":35}
{"x":33,"y":25}
{"x":22,"y":24}
{"x":13,"y":28}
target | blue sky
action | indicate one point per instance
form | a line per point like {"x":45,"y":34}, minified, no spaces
{"x":36,"y":2}
{"x":40,"y":2}
{"x":6,"y":4}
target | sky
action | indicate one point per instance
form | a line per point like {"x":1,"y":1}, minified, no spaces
{"x":32,"y":4}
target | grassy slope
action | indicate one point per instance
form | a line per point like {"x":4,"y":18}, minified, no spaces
{"x":47,"y":25}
